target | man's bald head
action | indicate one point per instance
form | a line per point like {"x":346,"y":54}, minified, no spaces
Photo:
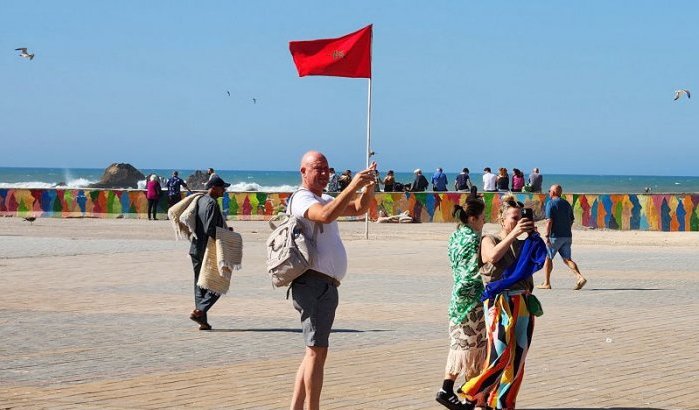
{"x":311,"y":157}
{"x":556,"y":190}
{"x":314,"y":171}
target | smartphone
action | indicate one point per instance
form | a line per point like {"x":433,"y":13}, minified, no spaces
{"x":528,"y":213}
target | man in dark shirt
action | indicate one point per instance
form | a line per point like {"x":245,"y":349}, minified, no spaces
{"x":208,"y":218}
{"x":559,"y":236}
{"x":463,"y":181}
{"x":535,"y":180}
{"x":420,"y":183}
{"x":173,"y":188}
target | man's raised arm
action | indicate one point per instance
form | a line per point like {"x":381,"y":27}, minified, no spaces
{"x":345,"y":204}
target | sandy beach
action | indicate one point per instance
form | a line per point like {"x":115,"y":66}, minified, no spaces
{"x":95,"y":315}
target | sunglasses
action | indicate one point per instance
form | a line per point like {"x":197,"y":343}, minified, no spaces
{"x":515,"y":204}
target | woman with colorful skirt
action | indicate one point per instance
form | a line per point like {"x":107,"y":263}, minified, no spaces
{"x":466,"y":327}
{"x":509,"y":324}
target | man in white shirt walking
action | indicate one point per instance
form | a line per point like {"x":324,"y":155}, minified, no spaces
{"x":315,"y":292}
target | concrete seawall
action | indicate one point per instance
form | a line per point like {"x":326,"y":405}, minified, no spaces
{"x":646,"y":212}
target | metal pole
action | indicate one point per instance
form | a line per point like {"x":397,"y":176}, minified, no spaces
{"x":368,"y":152}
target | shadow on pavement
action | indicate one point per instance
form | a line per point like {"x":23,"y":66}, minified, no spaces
{"x":275,"y":329}
{"x":601,"y":290}
{"x":595,"y":408}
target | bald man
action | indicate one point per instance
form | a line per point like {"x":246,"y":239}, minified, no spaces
{"x":535,"y":180}
{"x":559,"y":237}
{"x":315,"y":292}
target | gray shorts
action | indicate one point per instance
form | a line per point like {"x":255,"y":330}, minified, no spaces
{"x":561,"y":246}
{"x":316,"y":299}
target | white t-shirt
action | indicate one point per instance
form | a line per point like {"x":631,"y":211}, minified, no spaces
{"x":489,"y":181}
{"x":331,"y":257}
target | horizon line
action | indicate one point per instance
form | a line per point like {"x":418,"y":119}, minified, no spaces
{"x":295,"y":170}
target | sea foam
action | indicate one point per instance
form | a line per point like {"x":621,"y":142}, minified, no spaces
{"x":73,"y":183}
{"x":255,"y":187}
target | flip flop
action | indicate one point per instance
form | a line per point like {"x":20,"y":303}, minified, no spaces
{"x":542,"y":286}
{"x":580,"y":284}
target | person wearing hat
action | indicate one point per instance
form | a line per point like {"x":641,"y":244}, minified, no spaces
{"x":420,"y":183}
{"x":208,"y":217}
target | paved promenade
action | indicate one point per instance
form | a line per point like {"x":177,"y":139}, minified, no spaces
{"x":95,"y":315}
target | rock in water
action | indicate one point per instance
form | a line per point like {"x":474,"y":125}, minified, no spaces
{"x":197,"y":181}
{"x":120,"y":176}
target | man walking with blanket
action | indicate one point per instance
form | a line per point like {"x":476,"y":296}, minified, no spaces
{"x":315,"y":292}
{"x":208,"y":217}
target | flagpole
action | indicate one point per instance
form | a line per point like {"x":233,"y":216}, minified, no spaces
{"x":368,"y":153}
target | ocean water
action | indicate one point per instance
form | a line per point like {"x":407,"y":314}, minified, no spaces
{"x":285,"y":181}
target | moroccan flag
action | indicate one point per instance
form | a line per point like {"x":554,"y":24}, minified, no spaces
{"x":347,"y":56}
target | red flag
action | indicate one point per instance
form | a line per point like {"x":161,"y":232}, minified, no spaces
{"x":347,"y":56}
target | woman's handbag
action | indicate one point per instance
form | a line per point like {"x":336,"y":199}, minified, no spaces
{"x":533,"y":305}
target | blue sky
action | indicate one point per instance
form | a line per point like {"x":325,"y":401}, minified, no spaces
{"x":570,"y":87}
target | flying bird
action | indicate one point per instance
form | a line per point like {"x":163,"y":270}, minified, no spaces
{"x":229,"y":93}
{"x":24,"y":53}
{"x":254,"y":100}
{"x":679,"y":93}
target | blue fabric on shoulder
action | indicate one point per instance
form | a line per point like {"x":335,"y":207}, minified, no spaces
{"x":531,"y":259}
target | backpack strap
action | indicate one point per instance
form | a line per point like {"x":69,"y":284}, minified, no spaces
{"x":317,"y":227}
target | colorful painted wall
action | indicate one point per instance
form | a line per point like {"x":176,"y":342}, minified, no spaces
{"x":656,"y":212}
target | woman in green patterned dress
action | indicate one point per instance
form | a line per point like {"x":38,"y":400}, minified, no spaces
{"x":466,"y":324}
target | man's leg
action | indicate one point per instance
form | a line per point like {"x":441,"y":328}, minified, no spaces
{"x":309,"y":385}
{"x":548,"y":267}
{"x":299,"y":395}
{"x":551,"y":250}
{"x":566,"y":254}
{"x":207,"y":300}
{"x":203,"y":299}
{"x":316,"y":300}
{"x":580,"y":279}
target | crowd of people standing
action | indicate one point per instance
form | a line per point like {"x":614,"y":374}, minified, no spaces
{"x":500,"y":182}
{"x":492,"y":309}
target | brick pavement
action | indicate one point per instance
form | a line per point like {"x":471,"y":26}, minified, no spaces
{"x":103,"y":324}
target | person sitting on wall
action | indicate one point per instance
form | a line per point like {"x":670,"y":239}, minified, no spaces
{"x":389,"y":182}
{"x":420,"y":183}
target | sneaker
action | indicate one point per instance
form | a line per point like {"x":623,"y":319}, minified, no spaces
{"x":452,"y":402}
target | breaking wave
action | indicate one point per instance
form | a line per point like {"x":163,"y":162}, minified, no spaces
{"x":255,"y":187}
{"x":72,"y":183}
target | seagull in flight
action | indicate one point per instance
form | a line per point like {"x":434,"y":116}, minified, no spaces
{"x":679,"y":93}
{"x":254,"y":100}
{"x":24,"y":53}
{"x":229,"y":93}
